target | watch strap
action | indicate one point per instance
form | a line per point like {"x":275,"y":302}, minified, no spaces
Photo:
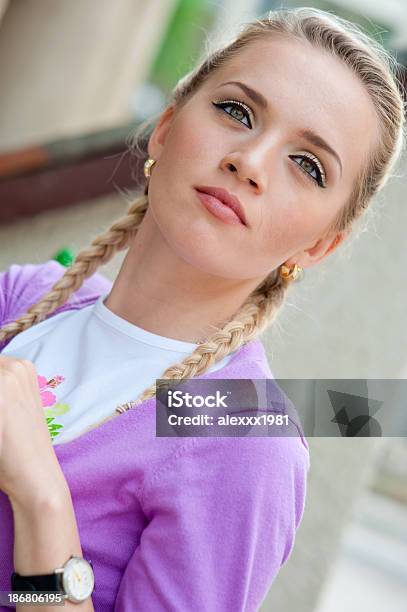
{"x":47,"y":582}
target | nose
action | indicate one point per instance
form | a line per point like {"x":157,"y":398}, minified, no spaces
{"x":245,"y":170}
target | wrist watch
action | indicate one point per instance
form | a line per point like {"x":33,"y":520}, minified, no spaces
{"x":74,"y":580}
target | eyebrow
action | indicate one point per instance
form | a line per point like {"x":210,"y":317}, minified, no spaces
{"x":307,"y":134}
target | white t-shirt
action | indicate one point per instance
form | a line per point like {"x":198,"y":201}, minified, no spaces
{"x":89,"y":361}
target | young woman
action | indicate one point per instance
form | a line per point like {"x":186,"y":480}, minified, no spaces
{"x":296,"y":124}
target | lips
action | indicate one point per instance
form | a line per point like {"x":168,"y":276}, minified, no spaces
{"x":226,"y":198}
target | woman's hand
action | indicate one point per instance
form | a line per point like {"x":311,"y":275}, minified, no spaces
{"x":29,"y":468}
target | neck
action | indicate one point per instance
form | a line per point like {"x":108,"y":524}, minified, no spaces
{"x":161,"y":292}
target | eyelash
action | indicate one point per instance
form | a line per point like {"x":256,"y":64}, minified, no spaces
{"x":320,"y":180}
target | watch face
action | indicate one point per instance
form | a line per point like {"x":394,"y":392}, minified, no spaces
{"x":78,"y":579}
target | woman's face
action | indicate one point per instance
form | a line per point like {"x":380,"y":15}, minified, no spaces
{"x":290,"y":186}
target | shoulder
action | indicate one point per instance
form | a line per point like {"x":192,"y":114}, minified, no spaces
{"x":247,"y":465}
{"x":21,"y":286}
{"x":251,"y":362}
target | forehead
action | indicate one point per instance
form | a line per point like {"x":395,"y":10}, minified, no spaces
{"x":307,"y":87}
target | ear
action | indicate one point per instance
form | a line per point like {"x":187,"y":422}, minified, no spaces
{"x":319,"y":250}
{"x":159,"y":134}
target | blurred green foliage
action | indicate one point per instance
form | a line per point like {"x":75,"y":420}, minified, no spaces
{"x":64,"y":256}
{"x":182,"y":44}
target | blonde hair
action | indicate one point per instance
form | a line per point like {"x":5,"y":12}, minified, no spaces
{"x":375,"y":68}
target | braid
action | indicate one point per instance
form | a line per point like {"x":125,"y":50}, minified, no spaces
{"x":86,"y":263}
{"x":260,"y":308}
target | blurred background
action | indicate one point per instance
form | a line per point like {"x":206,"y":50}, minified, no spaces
{"x":76,"y":80}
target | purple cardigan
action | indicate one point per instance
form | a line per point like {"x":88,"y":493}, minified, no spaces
{"x":174,"y":524}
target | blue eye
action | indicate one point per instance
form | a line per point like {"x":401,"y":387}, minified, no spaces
{"x":242,"y":108}
{"x":314,"y":166}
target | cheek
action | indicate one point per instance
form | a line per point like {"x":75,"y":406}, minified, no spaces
{"x":193,"y":140}
{"x":188,"y":158}
{"x":289,"y":226}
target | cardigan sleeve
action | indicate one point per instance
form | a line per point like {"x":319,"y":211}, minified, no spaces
{"x":12,"y":284}
{"x":21,"y":286}
{"x":222,"y":515}
{"x":17,"y":283}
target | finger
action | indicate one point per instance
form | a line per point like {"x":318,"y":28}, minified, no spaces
{"x":22,"y":376}
{"x":31,"y":378}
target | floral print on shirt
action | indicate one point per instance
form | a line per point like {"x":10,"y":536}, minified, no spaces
{"x":48,"y":400}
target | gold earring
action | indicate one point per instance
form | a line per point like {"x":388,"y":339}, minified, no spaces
{"x":295,"y":272}
{"x":148,"y":167}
